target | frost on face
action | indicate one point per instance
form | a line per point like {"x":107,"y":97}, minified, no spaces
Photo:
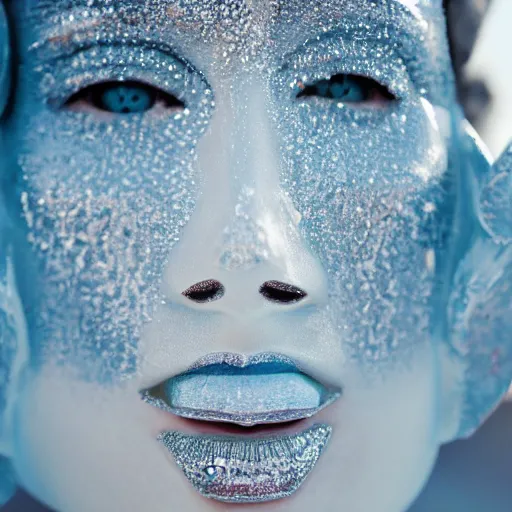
{"x":106,"y":197}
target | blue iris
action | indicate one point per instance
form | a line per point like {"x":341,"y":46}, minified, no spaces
{"x":125,"y":97}
{"x":121,"y":98}
{"x":346,"y":88}
{"x":350,"y":90}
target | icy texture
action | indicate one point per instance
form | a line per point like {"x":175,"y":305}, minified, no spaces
{"x":251,"y":166}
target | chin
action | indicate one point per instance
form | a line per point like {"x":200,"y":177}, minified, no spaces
{"x":81,"y":447}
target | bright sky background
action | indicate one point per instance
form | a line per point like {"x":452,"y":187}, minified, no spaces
{"x":492,"y":60}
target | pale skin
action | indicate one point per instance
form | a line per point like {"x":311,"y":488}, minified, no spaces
{"x":252,"y":177}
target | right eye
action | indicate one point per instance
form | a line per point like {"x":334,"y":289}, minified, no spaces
{"x":121,"y":97}
{"x":351,"y":89}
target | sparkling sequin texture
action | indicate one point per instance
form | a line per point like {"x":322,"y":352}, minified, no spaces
{"x":104,"y":230}
{"x":242,"y":471}
{"x":367,"y":203}
{"x":104,"y":219}
{"x":372,"y":207}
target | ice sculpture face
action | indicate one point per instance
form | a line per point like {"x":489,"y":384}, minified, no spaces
{"x":241,"y":247}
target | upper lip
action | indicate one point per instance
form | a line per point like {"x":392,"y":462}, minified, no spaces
{"x":246,"y":390}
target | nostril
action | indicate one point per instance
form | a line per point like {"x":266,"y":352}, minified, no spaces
{"x":205,"y":291}
{"x":283,"y":293}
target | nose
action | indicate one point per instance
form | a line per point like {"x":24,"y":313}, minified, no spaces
{"x":273,"y":291}
{"x":282,"y":293}
{"x":205,"y":291}
{"x":242,"y":249}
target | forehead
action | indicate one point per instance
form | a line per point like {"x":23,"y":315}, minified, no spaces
{"x":236,"y":20}
{"x":219,"y":37}
{"x":413,"y":5}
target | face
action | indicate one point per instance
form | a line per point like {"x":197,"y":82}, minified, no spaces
{"x":231,"y":222}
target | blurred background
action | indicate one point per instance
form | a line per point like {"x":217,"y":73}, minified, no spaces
{"x":471,"y":475}
{"x":492,"y":64}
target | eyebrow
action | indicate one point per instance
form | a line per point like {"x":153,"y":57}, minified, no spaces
{"x":402,"y":16}
{"x":81,"y":32}
{"x":75,"y":18}
{"x":67,"y":7}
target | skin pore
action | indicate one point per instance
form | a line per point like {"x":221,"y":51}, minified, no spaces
{"x":159,"y":144}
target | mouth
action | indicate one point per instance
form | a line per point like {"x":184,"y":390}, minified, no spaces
{"x":253,"y":394}
{"x":262,"y":389}
{"x":229,"y":469}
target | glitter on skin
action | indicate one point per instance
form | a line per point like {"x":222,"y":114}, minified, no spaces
{"x":102,"y":204}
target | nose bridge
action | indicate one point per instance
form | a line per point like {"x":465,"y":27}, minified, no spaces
{"x":244,"y":230}
{"x":255,"y":211}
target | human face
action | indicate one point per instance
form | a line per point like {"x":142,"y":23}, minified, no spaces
{"x":289,"y":157}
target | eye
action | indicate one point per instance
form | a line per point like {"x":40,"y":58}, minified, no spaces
{"x":349,"y":89}
{"x":122,"y":98}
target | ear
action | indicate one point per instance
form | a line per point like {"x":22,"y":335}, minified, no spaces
{"x":496,"y":200}
{"x":8,"y":335}
{"x":480,"y":304}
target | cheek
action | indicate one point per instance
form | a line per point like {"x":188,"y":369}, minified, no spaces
{"x":372,"y":192}
{"x":384,"y":427}
{"x":103,"y":206}
{"x":95,"y":445}
{"x":80,"y":447}
{"x":375,"y":150}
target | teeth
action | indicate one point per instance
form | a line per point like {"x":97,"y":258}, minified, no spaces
{"x":236,"y":469}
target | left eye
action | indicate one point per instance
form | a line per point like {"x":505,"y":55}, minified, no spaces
{"x":348,"y":89}
{"x":122,"y":98}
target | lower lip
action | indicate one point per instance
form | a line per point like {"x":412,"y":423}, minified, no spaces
{"x":241,"y":469}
